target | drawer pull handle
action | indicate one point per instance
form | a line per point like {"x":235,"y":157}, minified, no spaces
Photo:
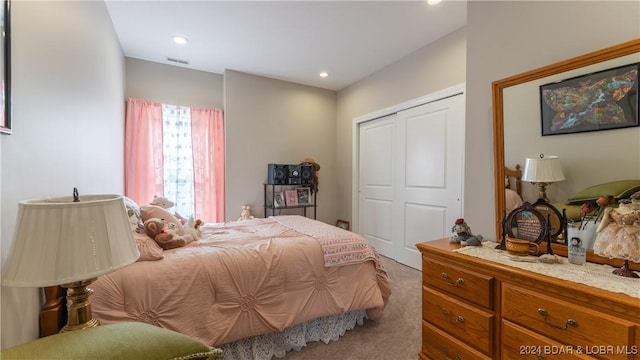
{"x":540,"y":357}
{"x":458,"y":282}
{"x":459,"y":319}
{"x":446,"y":355}
{"x":567,"y":323}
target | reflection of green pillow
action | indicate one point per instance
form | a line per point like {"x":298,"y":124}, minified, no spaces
{"x":572,"y":212}
{"x":620,"y":189}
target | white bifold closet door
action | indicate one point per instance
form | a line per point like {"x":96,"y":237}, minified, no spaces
{"x":410,"y":177}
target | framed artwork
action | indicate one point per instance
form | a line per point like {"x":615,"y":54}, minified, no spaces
{"x":343,"y":224}
{"x":602,"y":100}
{"x":278,"y":200}
{"x":304,"y":196}
{"x":291,"y":197}
{"x":5,"y":67}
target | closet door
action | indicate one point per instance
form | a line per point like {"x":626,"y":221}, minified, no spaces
{"x":410,"y":177}
{"x":375,"y":197}
{"x":429,"y":160}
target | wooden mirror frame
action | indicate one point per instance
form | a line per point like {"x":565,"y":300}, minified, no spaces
{"x":497,"y":87}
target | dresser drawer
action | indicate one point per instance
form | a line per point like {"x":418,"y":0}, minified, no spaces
{"x":436,"y":344}
{"x":567,"y":322}
{"x":520,"y":343}
{"x":458,"y":281}
{"x":469,"y":324}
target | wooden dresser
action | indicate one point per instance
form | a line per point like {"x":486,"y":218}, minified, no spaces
{"x":474,"y":308}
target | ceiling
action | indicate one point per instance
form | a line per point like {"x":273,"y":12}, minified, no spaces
{"x":287,"y":40}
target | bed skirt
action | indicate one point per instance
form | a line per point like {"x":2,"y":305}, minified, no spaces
{"x":265,"y":347}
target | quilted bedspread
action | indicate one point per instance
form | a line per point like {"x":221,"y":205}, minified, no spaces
{"x":247,"y":278}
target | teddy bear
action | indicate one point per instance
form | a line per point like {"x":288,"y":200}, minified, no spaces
{"x":245,"y":214}
{"x":462,"y":234}
{"x":165,"y":234}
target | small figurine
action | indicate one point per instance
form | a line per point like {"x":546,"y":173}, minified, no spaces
{"x":462,"y":234}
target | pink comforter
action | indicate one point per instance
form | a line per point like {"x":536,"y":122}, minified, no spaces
{"x":247,"y":278}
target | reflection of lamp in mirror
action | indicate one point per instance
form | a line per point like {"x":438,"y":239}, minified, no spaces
{"x":69,"y":241}
{"x":543,"y":171}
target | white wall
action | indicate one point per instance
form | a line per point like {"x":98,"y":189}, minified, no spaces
{"x":172,"y":84}
{"x":506,"y":38}
{"x":273,"y":121}
{"x":68,"y":91}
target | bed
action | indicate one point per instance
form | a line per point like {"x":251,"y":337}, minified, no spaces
{"x":255,"y":288}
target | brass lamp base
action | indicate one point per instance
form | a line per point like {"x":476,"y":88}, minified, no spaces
{"x":79,"y":308}
{"x":542,"y":190}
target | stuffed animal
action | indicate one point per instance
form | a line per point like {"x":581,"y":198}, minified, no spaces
{"x":462,"y":234}
{"x":245,"y":214}
{"x":165,"y":203}
{"x":316,"y":168}
{"x":192,"y":227}
{"x":165,"y":234}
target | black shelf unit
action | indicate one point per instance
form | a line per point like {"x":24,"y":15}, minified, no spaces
{"x":270,"y":191}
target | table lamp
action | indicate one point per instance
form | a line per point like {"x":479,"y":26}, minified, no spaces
{"x":542,"y":171}
{"x":69,"y":241}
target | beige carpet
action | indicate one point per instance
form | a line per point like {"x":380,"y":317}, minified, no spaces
{"x":394,"y":336}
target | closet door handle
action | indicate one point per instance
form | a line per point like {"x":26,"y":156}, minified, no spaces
{"x":567,"y":323}
{"x":459,"y":282}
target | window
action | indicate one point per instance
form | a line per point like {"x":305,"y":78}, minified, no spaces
{"x":178,"y":157}
{"x":176,"y":152}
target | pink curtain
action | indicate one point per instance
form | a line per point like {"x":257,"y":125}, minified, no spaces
{"x":143,"y":168}
{"x":207,"y":137}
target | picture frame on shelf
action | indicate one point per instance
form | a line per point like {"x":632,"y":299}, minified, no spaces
{"x":278,"y":200}
{"x":343,"y":224}
{"x":304,"y":195}
{"x":291,"y":197}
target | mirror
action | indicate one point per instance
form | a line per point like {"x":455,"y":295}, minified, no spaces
{"x":585,"y":157}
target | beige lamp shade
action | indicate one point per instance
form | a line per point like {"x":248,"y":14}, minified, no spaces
{"x":543,"y":169}
{"x":59,"y":241}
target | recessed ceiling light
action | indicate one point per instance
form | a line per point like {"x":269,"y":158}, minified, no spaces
{"x":178,"y":39}
{"x":324,"y":74}
{"x":433,"y":2}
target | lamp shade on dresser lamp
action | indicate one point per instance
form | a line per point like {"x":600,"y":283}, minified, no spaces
{"x":542,"y":171}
